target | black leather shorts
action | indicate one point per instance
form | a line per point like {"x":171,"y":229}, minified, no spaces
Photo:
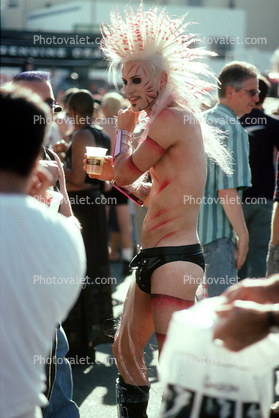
{"x":149,"y":259}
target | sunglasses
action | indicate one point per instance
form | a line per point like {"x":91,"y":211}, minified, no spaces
{"x":252,"y":93}
{"x":51,"y":103}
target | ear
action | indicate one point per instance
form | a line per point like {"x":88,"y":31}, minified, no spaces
{"x":163,"y":80}
{"x":35,"y":167}
{"x":37,"y":162}
{"x":229,"y":91}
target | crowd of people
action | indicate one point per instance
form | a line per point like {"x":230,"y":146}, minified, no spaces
{"x":211,"y":214}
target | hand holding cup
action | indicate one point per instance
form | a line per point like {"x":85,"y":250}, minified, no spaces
{"x":107,"y":169}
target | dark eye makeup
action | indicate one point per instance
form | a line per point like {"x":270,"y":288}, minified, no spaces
{"x":136,"y":80}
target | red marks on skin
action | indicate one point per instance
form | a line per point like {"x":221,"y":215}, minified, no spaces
{"x":129,"y":163}
{"x":160,"y":301}
{"x":131,"y":68}
{"x":166,"y":236}
{"x":152,"y":174}
{"x":150,"y":91}
{"x":165,"y":221}
{"x":139,"y":84}
{"x":154,"y":146}
{"x":163,"y":185}
{"x":164,"y":306}
{"x":159,"y":213}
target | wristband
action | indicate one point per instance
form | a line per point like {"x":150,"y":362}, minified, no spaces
{"x":144,"y":189}
{"x":130,"y":195}
{"x":122,"y":142}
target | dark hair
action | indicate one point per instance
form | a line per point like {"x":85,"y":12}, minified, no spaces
{"x":32,"y":76}
{"x":68,"y":93}
{"x":234,"y":74}
{"x":27,"y":115}
{"x":82,"y":102}
{"x":264,"y":87}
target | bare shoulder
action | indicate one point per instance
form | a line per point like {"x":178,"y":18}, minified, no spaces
{"x":173,"y":124}
{"x":83,"y":137}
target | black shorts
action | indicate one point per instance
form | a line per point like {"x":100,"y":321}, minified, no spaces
{"x":149,"y":259}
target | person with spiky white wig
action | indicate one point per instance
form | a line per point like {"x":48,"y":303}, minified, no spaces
{"x":161,"y":80}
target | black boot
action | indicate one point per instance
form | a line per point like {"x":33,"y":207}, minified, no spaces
{"x":131,"y":400}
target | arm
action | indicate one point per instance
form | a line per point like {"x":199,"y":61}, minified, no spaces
{"x":244,"y":316}
{"x":231,"y":203}
{"x":275,"y":224}
{"x":139,"y":189}
{"x":65,"y":208}
{"x":244,"y":323}
{"x":60,"y":148}
{"x":128,"y":166}
{"x":259,"y":290}
{"x":76,"y":175}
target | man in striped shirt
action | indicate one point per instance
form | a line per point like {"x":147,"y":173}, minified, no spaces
{"x":222,"y":229}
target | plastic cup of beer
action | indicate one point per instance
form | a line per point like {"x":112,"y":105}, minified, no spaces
{"x":95,"y":159}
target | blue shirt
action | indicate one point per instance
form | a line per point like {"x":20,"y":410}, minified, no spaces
{"x":213,"y":222}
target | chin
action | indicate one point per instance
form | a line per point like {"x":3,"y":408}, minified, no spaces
{"x":136,"y":108}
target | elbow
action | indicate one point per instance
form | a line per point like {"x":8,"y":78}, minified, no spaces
{"x":120,"y":179}
{"x":221,"y":193}
{"x":224,"y":192}
{"x":125,"y":172}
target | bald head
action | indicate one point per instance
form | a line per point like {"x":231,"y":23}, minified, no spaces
{"x":112,"y":103}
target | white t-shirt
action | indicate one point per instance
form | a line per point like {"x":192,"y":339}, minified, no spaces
{"x":42,"y":268}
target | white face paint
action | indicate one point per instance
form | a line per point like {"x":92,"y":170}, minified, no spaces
{"x":139,"y":85}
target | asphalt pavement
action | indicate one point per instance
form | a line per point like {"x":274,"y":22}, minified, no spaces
{"x":94,"y":384}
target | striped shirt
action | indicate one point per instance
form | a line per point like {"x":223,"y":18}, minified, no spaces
{"x":213,"y":222}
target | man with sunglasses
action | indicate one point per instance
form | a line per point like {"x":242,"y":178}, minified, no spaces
{"x":222,"y":228}
{"x":39,"y":83}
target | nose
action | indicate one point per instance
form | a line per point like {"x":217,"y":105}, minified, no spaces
{"x":129,"y":88}
{"x":256,"y":98}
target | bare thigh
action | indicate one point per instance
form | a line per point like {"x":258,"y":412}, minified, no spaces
{"x":135,"y":331}
{"x":178,"y":279}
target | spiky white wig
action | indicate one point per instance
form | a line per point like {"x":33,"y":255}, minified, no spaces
{"x":155,"y":37}
{"x":164,"y":42}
